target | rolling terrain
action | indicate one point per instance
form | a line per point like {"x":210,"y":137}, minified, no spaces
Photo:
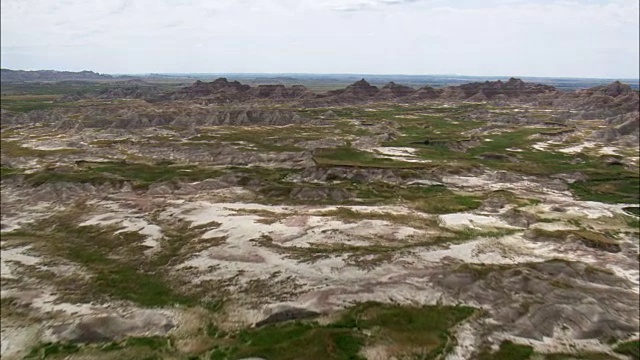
{"x":225,"y":220}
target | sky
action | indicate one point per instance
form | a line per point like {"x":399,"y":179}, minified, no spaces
{"x":554,"y":38}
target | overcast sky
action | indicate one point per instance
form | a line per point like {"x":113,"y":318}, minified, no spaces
{"x":588,"y":38}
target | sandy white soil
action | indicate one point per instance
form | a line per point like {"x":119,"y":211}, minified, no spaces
{"x":15,"y":340}
{"x":15,"y":255}
{"x":609,"y":150}
{"x":543,"y":145}
{"x":577,"y":148}
{"x":466,"y":343}
{"x":332,"y":282}
{"x":470,"y":220}
{"x":129,"y":223}
{"x":399,"y":153}
{"x":561,"y":342}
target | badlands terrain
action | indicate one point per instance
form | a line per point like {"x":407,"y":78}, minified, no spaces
{"x":219,"y":220}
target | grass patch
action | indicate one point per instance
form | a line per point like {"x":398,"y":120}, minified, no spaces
{"x":630,"y":348}
{"x":13,"y":149}
{"x":578,"y":356}
{"x":406,"y":332}
{"x":113,"y":278}
{"x":46,"y":350}
{"x":300,"y":340}
{"x":152,"y":347}
{"x":29,"y":103}
{"x":117,"y":264}
{"x":436,"y":199}
{"x":141,"y":175}
{"x":262,"y":138}
{"x":633,"y":210}
{"x":8,"y":171}
{"x":609,"y":190}
{"x":433,"y":130}
{"x":347,"y":215}
{"x":372,"y":255}
{"x":589,"y":238}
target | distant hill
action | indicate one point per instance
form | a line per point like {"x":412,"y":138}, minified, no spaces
{"x":8,"y":75}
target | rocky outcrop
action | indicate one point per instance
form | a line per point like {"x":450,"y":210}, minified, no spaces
{"x":622,"y":127}
{"x":600,"y":101}
{"x":532,"y":301}
{"x":93,"y":329}
{"x":361,"y":175}
{"x":218,"y":91}
{"x":223,"y":91}
{"x":499,"y":90}
{"x":280,"y":92}
{"x":360,"y":89}
{"x":613,"y":99}
{"x":617,"y":103}
{"x":393,"y":91}
{"x":287,"y":314}
{"x":138,"y":118}
{"x":210,"y":154}
{"x":306,"y":193}
{"x":8,"y":75}
{"x":426,"y":93}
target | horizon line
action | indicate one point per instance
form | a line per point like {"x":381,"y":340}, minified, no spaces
{"x":334,"y":74}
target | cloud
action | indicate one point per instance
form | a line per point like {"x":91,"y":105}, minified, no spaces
{"x":595,"y":38}
{"x":119,"y":6}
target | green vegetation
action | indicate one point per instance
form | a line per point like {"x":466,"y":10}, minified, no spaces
{"x":148,"y":348}
{"x":433,"y":131}
{"x":152,"y":343}
{"x":261,"y":138}
{"x":589,"y":238}
{"x":48,"y":350}
{"x":26,"y":103}
{"x":25,"y":97}
{"x":613,"y":190}
{"x":579,"y":356}
{"x":93,"y":247}
{"x":51,"y":89}
{"x":411,"y":331}
{"x":436,"y":199}
{"x":141,"y":175}
{"x":634,"y":210}
{"x":633,"y":222}
{"x":272,"y":138}
{"x":13,"y":149}
{"x":368,"y":256}
{"x":115,"y":260}
{"x":348,"y":215}
{"x":106,"y":143}
{"x":404,"y":331}
{"x":438,"y":138}
{"x":300,"y":340}
{"x":630,"y":348}
{"x":7,"y":171}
